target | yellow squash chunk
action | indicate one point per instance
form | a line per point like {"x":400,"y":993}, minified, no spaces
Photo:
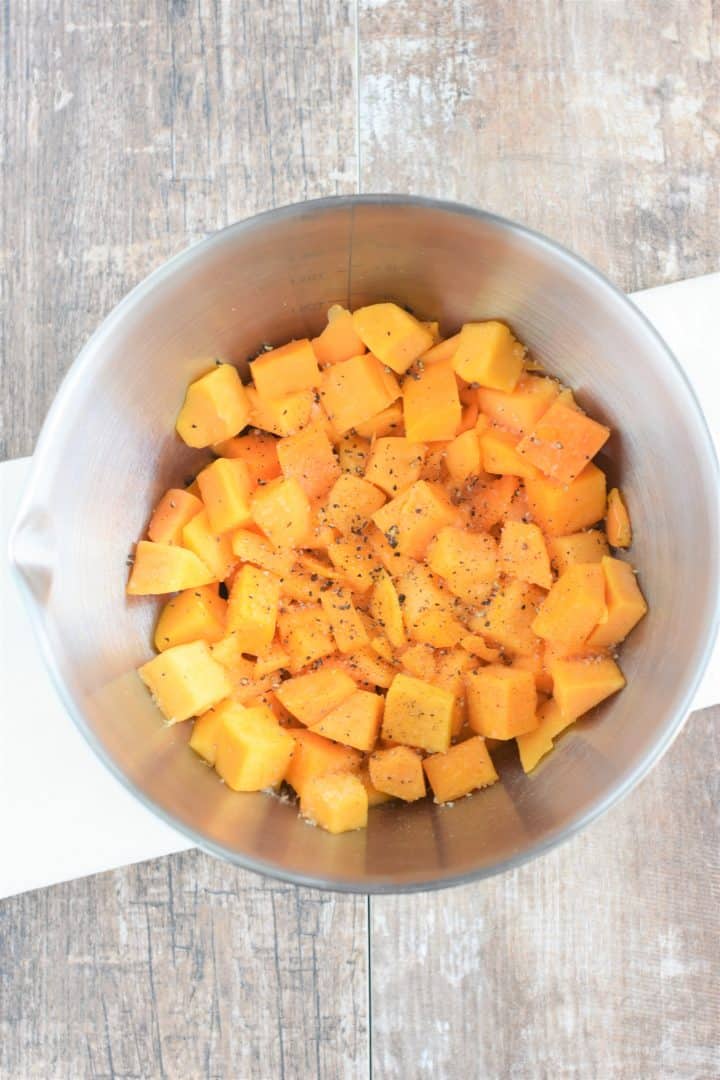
{"x":388,"y":422}
{"x":624,"y":604}
{"x":386,"y":610}
{"x":252,"y":609}
{"x":225,"y":487}
{"x":418,"y":714}
{"x":345,"y":623}
{"x":506,"y":619}
{"x":579,"y":685}
{"x":410,"y":520}
{"x":573,"y":607}
{"x":337,"y":802}
{"x":339,"y":340}
{"x":204,"y":735}
{"x":488,"y":354}
{"x":306,"y":635}
{"x":466,"y":561}
{"x":501,"y":701}
{"x":283,"y":511}
{"x":617,"y":521}
{"x":428,"y":609}
{"x":566,"y":508}
{"x":185,"y":681}
{"x":395,"y":336}
{"x":356,"y":390}
{"x":398,"y":772}
{"x":192,"y":615}
{"x":351,"y":503}
{"x":284,"y":415}
{"x":164,"y":568}
{"x":431,"y":404}
{"x":394,"y":464}
{"x":580,"y":547}
{"x":353,"y":452}
{"x":310,"y":697}
{"x":315,"y":756}
{"x":171,"y":515}
{"x":461,"y":770}
{"x":216,"y":407}
{"x":562,"y":442}
{"x":214,"y":549}
{"x":258,"y":450}
{"x":500,"y":455}
{"x":524,"y":555}
{"x":287,"y":370}
{"x":520,"y":410}
{"x":253,"y":751}
{"x":355,"y":722}
{"x":463,"y":457}
{"x":536,"y":744}
{"x":308,"y":457}
{"x":251,"y":547}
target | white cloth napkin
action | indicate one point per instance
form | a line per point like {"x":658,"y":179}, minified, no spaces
{"x":95,"y":824}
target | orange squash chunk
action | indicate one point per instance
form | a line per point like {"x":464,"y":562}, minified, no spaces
{"x":534,"y":745}
{"x":398,"y":772}
{"x":351,"y":503}
{"x":287,"y":370}
{"x":428,"y":609}
{"x":212,"y":547}
{"x":387,"y":611}
{"x":283,"y":511}
{"x":252,"y":547}
{"x":488,"y":354}
{"x":417,"y":713}
{"x":506,"y":619}
{"x":524,"y":555}
{"x":259,"y":452}
{"x":580,"y":685}
{"x":164,"y":568}
{"x":521,"y":409}
{"x":395,"y":336}
{"x":315,"y":756}
{"x":466,"y":561}
{"x":356,"y":562}
{"x":225,"y":487}
{"x":624,"y":604}
{"x":394,"y":464}
{"x":355,"y":722}
{"x":410,"y":520}
{"x":253,"y":752}
{"x":284,"y":415}
{"x":353,"y":452}
{"x":489,"y":501}
{"x":306,"y":635}
{"x":337,"y":802}
{"x":171,"y":515}
{"x":500,"y":455}
{"x":442,"y":351}
{"x":345,"y":623}
{"x":185,"y":681}
{"x":308,"y":457}
{"x":310,"y":697}
{"x":339,"y":340}
{"x":252,"y":609}
{"x":566,"y":508}
{"x":573,"y":607}
{"x":562,"y":442}
{"x":365,"y":666}
{"x":463,"y":457}
{"x":617,"y":521}
{"x":581,"y":547}
{"x":431,"y":403}
{"x":216,"y":407}
{"x":388,"y":422}
{"x":461,"y":770}
{"x":356,"y":390}
{"x":192,"y":615}
{"x":501,"y":701}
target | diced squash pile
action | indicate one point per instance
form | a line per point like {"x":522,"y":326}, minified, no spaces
{"x":401,"y":549}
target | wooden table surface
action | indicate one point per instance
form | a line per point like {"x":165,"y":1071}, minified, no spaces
{"x":131,"y":130}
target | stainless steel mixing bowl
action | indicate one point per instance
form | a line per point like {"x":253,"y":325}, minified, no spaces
{"x":108,"y":450}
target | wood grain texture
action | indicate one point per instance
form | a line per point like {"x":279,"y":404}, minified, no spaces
{"x":130,"y":132}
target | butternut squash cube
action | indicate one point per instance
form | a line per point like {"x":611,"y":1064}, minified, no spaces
{"x":417,"y":714}
{"x":534,"y":745}
{"x":356,"y":562}
{"x":624,"y":604}
{"x":308,"y":457}
{"x":204,"y":736}
{"x":316,"y":756}
{"x":164,"y":568}
{"x":253,"y":752}
{"x":351,"y":503}
{"x":506,"y":619}
{"x":214,"y":549}
{"x":375,"y":797}
{"x":283,"y":511}
{"x":617,"y":521}
{"x":501,"y":701}
{"x":394,"y":464}
{"x":463,"y":457}
{"x":216,"y":407}
{"x":431,"y":403}
{"x":192,"y":615}
{"x":562,"y":442}
{"x":337,"y":802}
{"x":225,"y":488}
{"x":310,"y":697}
{"x":581,"y":547}
{"x":428,"y":609}
{"x":442,"y":351}
{"x":410,"y":520}
{"x":500,"y":455}
{"x":306,"y":635}
{"x":477,"y":646}
{"x":573,"y":607}
{"x":252,"y":547}
{"x":489,"y":502}
{"x":488,"y":354}
{"x":521,"y":409}
{"x":356,"y":390}
{"x":386,"y":610}
{"x":339,"y":340}
{"x":287,"y":370}
{"x":365,"y":666}
{"x":273,"y":659}
{"x":419,"y":660}
{"x":466,"y":561}
{"x":353,"y":452}
{"x":171,"y":515}
{"x":524,"y":554}
{"x":285,"y":415}
{"x":185,"y":681}
{"x":252,"y":609}
{"x":395,"y":336}
{"x":461,"y":770}
{"x":579,"y":685}
{"x":398,"y":772}
{"x":258,"y":450}
{"x":355,"y":722}
{"x":345,"y":623}
{"x":566,"y":508}
{"x":388,"y":422}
